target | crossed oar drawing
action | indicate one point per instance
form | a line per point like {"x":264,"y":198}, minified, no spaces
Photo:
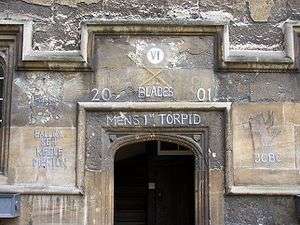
{"x":155,"y":75}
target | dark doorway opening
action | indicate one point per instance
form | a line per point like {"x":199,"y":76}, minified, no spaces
{"x":154,"y":185}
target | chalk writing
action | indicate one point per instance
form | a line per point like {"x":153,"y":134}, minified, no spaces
{"x":204,"y":94}
{"x":39,"y":134}
{"x":160,"y":119}
{"x":267,"y":158}
{"x":155,"y":91}
{"x":48,"y":154}
{"x":98,"y":95}
{"x":263,"y":135}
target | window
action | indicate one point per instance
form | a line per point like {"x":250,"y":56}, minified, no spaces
{"x":168,"y":148}
{"x":2,"y":155}
{"x":4,"y":119}
{"x":1,"y":94}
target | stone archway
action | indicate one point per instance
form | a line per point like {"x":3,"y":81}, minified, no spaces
{"x":200,"y":170}
{"x":102,"y":131}
{"x":154,"y":184}
{"x":104,"y":199}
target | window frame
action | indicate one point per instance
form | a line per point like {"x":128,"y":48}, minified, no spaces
{"x":5,"y":124}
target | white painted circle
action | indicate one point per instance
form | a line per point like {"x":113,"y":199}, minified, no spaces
{"x":155,"y":55}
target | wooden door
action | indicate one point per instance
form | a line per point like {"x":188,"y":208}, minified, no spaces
{"x":174,"y":191}
{"x":131,"y":192}
{"x":154,"y":190}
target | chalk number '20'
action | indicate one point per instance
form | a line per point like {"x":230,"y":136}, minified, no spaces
{"x":98,"y":95}
{"x":204,"y":94}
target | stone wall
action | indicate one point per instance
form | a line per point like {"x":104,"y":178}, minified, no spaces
{"x":254,"y":24}
{"x":265,"y":108}
{"x":246,"y":210}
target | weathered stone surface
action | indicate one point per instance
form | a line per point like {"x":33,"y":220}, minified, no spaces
{"x":68,"y":210}
{"x":61,"y":2}
{"x":273,"y":87}
{"x":235,"y":7}
{"x":99,"y":203}
{"x":265,"y":210}
{"x":264,"y":141}
{"x":217,"y":196}
{"x":297,"y":138}
{"x":51,"y":209}
{"x":261,"y":87}
{"x":47,"y":2}
{"x":123,"y":66}
{"x":260,"y":36}
{"x":42,"y":156}
{"x":260,"y":9}
{"x":67,"y":15}
{"x":233,"y":87}
{"x":179,"y":52}
{"x":266,"y":137}
{"x":273,"y":177}
{"x":48,"y":98}
{"x":292,"y":113}
{"x":294,"y":5}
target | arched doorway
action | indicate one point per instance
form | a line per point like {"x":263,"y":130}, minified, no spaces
{"x":99,"y":141}
{"x":154,"y":184}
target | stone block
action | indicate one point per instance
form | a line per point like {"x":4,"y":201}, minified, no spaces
{"x":233,"y":87}
{"x":258,"y":209}
{"x":124,"y":84}
{"x":260,"y":9}
{"x":273,"y":87}
{"x":270,"y":112}
{"x":216,"y":193}
{"x":54,"y":209}
{"x":265,"y":144}
{"x":291,"y":113}
{"x":297,"y":145}
{"x":173,"y":52}
{"x":266,"y":177}
{"x":42,"y":156}
{"x":243,"y":155}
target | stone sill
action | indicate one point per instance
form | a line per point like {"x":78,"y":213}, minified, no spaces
{"x":264,"y":190}
{"x":31,"y":189}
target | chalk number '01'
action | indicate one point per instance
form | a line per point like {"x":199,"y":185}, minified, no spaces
{"x":204,"y":94}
